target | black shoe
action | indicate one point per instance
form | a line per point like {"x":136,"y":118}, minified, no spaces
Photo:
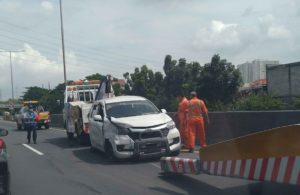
{"x":191,"y":151}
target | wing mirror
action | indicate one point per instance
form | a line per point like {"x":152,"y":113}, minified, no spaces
{"x":98,"y":118}
{"x":3,"y":132}
{"x":164,"y":111}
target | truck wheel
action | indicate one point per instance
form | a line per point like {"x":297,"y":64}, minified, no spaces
{"x":47,"y":126}
{"x":70,"y":135}
{"x":84,"y":139}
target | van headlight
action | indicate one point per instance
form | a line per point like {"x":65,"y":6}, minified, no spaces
{"x":122,"y":130}
{"x":171,"y":125}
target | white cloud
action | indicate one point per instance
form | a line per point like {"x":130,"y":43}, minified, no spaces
{"x":248,"y":11}
{"x":272,"y":30}
{"x":47,"y":5}
{"x":30,"y":68}
{"x":217,"y":36}
{"x":9,"y":6}
{"x":278,"y":32}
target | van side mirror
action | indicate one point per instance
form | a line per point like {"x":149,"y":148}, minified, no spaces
{"x":164,"y":111}
{"x":98,"y":118}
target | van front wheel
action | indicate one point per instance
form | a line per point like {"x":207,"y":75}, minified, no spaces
{"x":109,"y":152}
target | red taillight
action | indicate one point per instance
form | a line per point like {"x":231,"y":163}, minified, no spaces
{"x":86,"y":127}
{"x":2,"y":144}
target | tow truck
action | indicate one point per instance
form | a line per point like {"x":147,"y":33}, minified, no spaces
{"x":79,"y":96}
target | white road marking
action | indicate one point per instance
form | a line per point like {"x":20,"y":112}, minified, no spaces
{"x":32,"y":149}
{"x":60,"y":130}
{"x":155,"y":165}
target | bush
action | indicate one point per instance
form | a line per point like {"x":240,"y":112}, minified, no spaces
{"x":296,"y":103}
{"x":259,"y":101}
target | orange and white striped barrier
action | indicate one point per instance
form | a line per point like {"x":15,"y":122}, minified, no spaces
{"x":272,"y":155}
{"x":280,"y":169}
{"x":180,"y":165}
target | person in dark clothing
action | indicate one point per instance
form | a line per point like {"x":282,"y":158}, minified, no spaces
{"x":31,"y":125}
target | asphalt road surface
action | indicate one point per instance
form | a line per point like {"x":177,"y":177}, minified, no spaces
{"x":56,"y":165}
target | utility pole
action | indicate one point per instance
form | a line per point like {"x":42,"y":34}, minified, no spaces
{"x":11,"y":71}
{"x":63,"y":42}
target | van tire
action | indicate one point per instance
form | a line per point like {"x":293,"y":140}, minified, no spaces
{"x":109,"y":151}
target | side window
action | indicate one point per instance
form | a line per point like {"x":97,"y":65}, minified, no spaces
{"x":94,"y":111}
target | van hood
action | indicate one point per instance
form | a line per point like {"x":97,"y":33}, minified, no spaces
{"x":142,"y":120}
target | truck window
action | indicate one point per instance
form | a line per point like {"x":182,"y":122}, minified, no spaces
{"x":88,"y":96}
{"x":81,"y":96}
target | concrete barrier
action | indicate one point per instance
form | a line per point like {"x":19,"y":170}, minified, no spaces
{"x":229,"y":125}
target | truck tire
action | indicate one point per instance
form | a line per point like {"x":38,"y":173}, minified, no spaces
{"x":47,"y":126}
{"x":70,"y":135}
{"x":84,"y":139}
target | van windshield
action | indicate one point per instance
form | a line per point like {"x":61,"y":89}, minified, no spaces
{"x":132,"y":108}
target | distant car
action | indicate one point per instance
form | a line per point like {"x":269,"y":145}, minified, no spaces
{"x":4,"y":171}
{"x":132,"y":126}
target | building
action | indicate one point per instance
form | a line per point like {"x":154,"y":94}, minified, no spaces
{"x":255,"y":70}
{"x":284,"y":80}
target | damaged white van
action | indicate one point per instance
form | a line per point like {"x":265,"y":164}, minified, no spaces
{"x":131,"y":126}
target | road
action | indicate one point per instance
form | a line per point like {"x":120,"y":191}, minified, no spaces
{"x":56,"y":165}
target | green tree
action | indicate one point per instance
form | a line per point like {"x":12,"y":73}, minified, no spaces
{"x":96,"y":76}
{"x":35,"y":93}
{"x":219,"y":81}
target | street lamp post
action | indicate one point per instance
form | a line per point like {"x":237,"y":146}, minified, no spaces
{"x":62,"y":41}
{"x":11,"y":71}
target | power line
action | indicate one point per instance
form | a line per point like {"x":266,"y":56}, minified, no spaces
{"x":75,"y":43}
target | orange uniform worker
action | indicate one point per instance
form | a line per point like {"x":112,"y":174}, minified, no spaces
{"x":196,"y":116}
{"x":182,"y":118}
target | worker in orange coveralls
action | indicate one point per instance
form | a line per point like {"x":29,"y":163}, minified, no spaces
{"x":197,"y":115}
{"x":182,"y":118}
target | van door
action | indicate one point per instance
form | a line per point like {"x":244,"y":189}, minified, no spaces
{"x":100,"y":125}
{"x":93,"y":126}
{"x":96,"y":126}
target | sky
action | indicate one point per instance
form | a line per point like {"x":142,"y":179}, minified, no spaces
{"x":114,"y":37}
